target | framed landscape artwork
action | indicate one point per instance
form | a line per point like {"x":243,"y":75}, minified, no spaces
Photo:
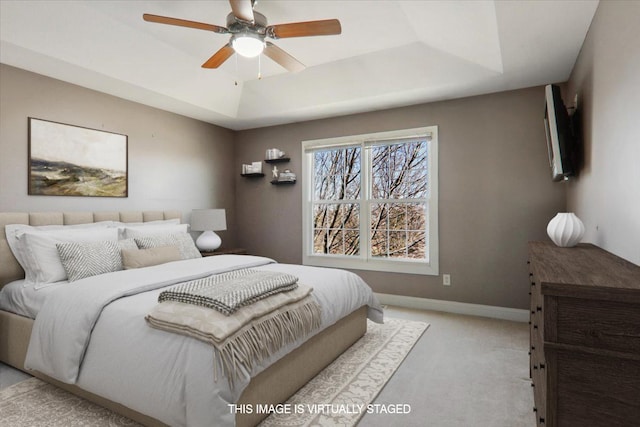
{"x":66,"y":160}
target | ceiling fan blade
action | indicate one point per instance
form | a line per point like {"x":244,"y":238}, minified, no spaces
{"x":184,"y":23}
{"x":326,"y":27}
{"x":242,"y":9}
{"x":219,"y":57}
{"x":283,"y":58}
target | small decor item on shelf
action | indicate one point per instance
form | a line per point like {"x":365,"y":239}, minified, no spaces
{"x":254,"y":167}
{"x":565,"y":229}
{"x":286,"y":176}
{"x":275,"y":171}
{"x":274,"y":153}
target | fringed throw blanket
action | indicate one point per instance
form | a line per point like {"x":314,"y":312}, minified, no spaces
{"x":227,"y":292}
{"x":250,"y":335}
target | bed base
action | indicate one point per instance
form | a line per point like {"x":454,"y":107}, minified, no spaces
{"x":274,"y":385}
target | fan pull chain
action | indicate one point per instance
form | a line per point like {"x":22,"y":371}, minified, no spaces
{"x":259,"y":67}
{"x":236,"y":79}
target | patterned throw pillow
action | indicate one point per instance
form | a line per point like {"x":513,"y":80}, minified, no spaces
{"x":86,"y":259}
{"x":183,"y":241}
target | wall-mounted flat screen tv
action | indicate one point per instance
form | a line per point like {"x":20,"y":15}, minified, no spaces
{"x":561,"y":142}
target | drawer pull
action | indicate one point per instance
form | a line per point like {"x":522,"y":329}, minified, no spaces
{"x":535,"y":409}
{"x":535,"y":326}
{"x":541,"y":420}
{"x":542,"y":366}
{"x":538,"y":308}
{"x":535,"y":367}
{"x":533,"y":283}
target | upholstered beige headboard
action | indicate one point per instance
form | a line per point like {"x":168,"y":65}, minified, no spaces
{"x":10,"y":269}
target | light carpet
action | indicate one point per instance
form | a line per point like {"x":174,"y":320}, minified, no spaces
{"x":338,"y":396}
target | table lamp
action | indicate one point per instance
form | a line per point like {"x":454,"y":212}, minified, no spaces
{"x":208,"y":221}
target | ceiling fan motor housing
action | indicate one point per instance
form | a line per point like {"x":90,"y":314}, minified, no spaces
{"x":259,"y":25}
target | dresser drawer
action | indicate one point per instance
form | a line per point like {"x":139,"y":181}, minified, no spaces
{"x":607,"y":325}
{"x":593,"y":392}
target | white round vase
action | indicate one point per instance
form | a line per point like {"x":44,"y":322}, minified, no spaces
{"x":565,"y":229}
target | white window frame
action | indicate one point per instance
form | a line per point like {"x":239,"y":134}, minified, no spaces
{"x":364,"y":261}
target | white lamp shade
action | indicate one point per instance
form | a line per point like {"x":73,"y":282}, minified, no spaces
{"x":208,"y":220}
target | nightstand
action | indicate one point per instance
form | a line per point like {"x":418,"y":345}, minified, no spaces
{"x":225,"y":251}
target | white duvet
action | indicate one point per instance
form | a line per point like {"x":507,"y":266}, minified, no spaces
{"x":92,"y":333}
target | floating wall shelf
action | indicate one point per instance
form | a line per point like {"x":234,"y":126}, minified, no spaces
{"x":280,"y":160}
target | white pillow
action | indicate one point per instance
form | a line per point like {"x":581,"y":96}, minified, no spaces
{"x":42,"y":259}
{"x":153,"y":230}
{"x":14,"y":231}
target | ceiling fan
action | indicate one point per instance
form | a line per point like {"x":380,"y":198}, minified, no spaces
{"x":249,"y":29}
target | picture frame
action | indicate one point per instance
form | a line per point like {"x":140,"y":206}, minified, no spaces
{"x":69,"y":160}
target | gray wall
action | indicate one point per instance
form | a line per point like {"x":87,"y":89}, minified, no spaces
{"x":606,"y":77}
{"x":174,"y":162}
{"x":495,"y":193}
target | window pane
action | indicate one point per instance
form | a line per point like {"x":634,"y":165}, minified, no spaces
{"x":380,"y":172}
{"x":319,"y":216}
{"x":337,"y":174}
{"x":352,"y":186}
{"x":337,"y":228}
{"x":319,"y":241}
{"x":398,"y":230}
{"x":416,"y":216}
{"x":335,"y":242}
{"x":351,"y":242}
{"x":416,"y":244}
{"x":350,"y":216}
{"x":397,"y":216}
{"x":399,"y":171}
{"x":379,"y":243}
{"x":397,"y":244}
{"x":379,"y":216}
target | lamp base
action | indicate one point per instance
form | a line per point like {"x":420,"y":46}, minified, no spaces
{"x":208,"y":241}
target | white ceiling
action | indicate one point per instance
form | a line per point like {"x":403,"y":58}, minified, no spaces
{"x":390,"y":53}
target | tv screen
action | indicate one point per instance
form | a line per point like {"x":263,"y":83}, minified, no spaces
{"x":560,"y":139}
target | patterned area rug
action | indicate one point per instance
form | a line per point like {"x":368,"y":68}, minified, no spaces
{"x":338,"y":396}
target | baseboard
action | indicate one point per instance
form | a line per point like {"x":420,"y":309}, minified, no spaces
{"x":495,"y":312}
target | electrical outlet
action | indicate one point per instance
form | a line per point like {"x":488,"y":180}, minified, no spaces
{"x":446,"y":279}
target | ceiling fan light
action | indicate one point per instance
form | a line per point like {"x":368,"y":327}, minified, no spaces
{"x":247,"y":45}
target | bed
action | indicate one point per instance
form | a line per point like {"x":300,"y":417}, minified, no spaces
{"x":101,"y":368}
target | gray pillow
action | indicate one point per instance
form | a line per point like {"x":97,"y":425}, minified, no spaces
{"x":183,"y":241}
{"x":86,"y":259}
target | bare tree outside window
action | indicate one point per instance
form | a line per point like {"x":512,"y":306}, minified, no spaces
{"x":336,"y":222}
{"x":396,"y":206}
{"x":398,"y":209}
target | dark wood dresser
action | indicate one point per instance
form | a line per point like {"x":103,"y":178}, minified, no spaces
{"x":585,"y":337}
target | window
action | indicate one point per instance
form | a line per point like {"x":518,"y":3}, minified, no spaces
{"x":371,"y":201}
